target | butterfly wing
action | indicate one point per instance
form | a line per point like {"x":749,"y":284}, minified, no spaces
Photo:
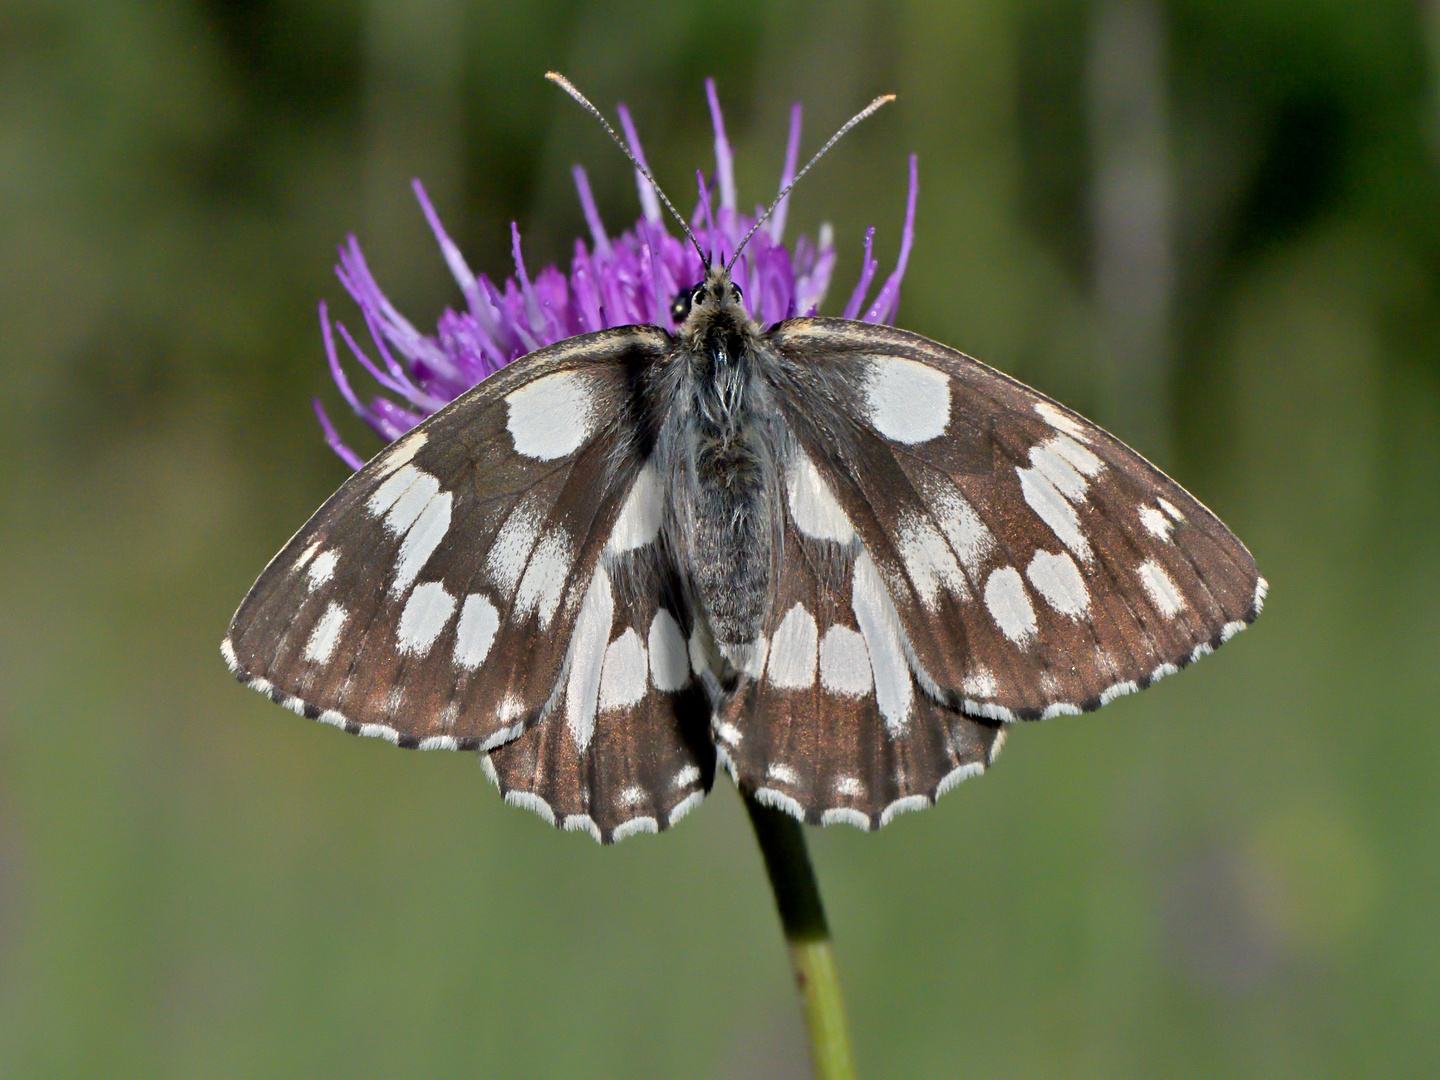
{"x":816,"y":735}
{"x":432,"y":599}
{"x":1035,"y":563}
{"x":626,"y":748}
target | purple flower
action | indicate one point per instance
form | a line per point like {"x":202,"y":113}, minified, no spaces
{"x":614,"y":281}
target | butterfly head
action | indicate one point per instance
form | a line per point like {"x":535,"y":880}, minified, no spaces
{"x":712,"y":320}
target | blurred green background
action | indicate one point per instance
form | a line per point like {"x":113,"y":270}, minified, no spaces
{"x":1212,"y":225}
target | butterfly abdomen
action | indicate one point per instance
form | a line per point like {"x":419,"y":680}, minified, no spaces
{"x":731,"y":539}
{"x":724,"y":496}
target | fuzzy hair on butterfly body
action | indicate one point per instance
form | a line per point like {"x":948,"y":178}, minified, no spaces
{"x":832,"y":557}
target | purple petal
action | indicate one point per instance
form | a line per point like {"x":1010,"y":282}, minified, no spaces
{"x":649,"y":201}
{"x":867,"y":272}
{"x":459,"y":269}
{"x":724,"y":160}
{"x":888,"y":300}
{"x":592,"y":215}
{"x":792,"y":156}
{"x":332,"y":437}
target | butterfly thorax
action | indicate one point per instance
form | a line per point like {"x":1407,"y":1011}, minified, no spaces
{"x":724,"y":490}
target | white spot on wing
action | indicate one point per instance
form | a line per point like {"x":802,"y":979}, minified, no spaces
{"x":426,"y":613}
{"x":980,"y":683}
{"x":782,"y":772}
{"x":907,"y":401}
{"x":1065,"y":478}
{"x":476,"y":632}
{"x":793,"y":650}
{"x":639,"y":520}
{"x":813,"y":506}
{"x":401,"y":453}
{"x":685,"y":805}
{"x":908,"y":804}
{"x":849,"y":785}
{"x":844,"y":662}
{"x":1009,"y":606}
{"x":875,"y":613}
{"x":384,"y":496}
{"x":843,"y":815}
{"x":530,"y":801}
{"x":326,"y":634}
{"x":425,"y":535}
{"x":1120,"y":689}
{"x":687,"y":776}
{"x":623,"y":680}
{"x":511,"y":549}
{"x":969,"y":538}
{"x":1084,"y":462}
{"x":488,"y":768}
{"x":1058,"y":580}
{"x":582,"y":823}
{"x":307,"y":555}
{"x":1050,"y":505}
{"x":322,"y":569}
{"x":955,"y":776}
{"x":928,"y":560}
{"x":380,"y":731}
{"x":406,"y":509}
{"x":635,"y":825}
{"x":669,"y":660}
{"x":552,"y":417}
{"x":1060,"y":422}
{"x":545,"y":577}
{"x":587,"y":658}
{"x":1161,"y":588}
{"x":700,"y":658}
{"x":778,"y":800}
{"x":1169,"y":509}
{"x":1156,"y":523}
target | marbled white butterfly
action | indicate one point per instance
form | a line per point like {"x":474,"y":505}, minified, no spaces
{"x":834,"y":557}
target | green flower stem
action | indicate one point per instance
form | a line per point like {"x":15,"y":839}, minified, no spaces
{"x":797,"y":895}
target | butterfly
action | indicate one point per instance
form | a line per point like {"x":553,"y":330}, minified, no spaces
{"x":834,"y":558}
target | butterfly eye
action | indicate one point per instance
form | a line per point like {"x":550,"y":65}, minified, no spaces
{"x":680,"y":309}
{"x":698,"y":296}
{"x":739,"y":296}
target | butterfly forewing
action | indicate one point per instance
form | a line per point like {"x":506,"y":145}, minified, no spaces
{"x":1037,"y":564}
{"x":431,"y":600}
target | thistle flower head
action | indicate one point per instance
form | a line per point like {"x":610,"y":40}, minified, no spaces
{"x":612,"y":281}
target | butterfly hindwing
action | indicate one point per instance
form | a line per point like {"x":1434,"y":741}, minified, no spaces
{"x":1037,"y":564}
{"x":626,"y":747}
{"x":836,"y":728}
{"x":430,"y":601}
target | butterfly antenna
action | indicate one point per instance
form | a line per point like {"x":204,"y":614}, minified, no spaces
{"x":883,"y":99}
{"x":569,"y":87}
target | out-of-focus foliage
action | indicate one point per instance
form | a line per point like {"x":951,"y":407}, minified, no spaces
{"x":1233,"y":875}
